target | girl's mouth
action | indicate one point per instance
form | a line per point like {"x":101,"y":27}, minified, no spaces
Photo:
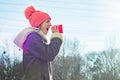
{"x":47,"y":29}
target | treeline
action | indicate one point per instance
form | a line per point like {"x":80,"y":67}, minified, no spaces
{"x":70,"y":65}
{"x":104,"y":65}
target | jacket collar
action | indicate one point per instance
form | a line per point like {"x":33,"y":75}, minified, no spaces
{"x":42,"y":34}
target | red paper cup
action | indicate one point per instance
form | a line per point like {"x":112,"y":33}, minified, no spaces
{"x":60,"y":28}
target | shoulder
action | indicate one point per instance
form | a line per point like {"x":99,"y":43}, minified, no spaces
{"x":32,"y":38}
{"x":34,"y":35}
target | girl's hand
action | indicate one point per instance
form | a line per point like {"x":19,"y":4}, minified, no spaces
{"x":54,"y":29}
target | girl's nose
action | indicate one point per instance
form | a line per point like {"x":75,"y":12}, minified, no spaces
{"x":50,"y":24}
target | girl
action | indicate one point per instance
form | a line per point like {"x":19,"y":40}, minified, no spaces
{"x":37,"y":54}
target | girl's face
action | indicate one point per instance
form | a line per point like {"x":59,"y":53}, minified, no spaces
{"x":45,"y":26}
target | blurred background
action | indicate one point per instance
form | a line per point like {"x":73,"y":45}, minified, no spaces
{"x":91,"y":45}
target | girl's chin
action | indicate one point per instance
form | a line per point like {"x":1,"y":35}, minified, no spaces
{"x":46,"y":32}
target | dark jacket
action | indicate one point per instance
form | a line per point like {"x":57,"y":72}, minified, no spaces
{"x":37,"y":55}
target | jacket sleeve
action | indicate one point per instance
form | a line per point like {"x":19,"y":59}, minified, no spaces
{"x":35,"y":46}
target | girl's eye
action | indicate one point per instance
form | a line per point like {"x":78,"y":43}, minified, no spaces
{"x":48,"y":21}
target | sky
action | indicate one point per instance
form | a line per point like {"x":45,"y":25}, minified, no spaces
{"x":95,"y":23}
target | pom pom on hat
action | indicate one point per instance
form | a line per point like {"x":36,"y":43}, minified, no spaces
{"x":35,"y":17}
{"x":28,"y":12}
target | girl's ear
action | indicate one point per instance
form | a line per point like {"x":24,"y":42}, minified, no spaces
{"x":38,"y":27}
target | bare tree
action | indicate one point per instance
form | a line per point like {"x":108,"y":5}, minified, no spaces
{"x":67,"y":65}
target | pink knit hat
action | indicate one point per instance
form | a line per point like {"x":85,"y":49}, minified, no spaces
{"x":35,"y":17}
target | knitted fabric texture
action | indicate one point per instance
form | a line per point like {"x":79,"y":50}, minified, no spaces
{"x":35,"y":17}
